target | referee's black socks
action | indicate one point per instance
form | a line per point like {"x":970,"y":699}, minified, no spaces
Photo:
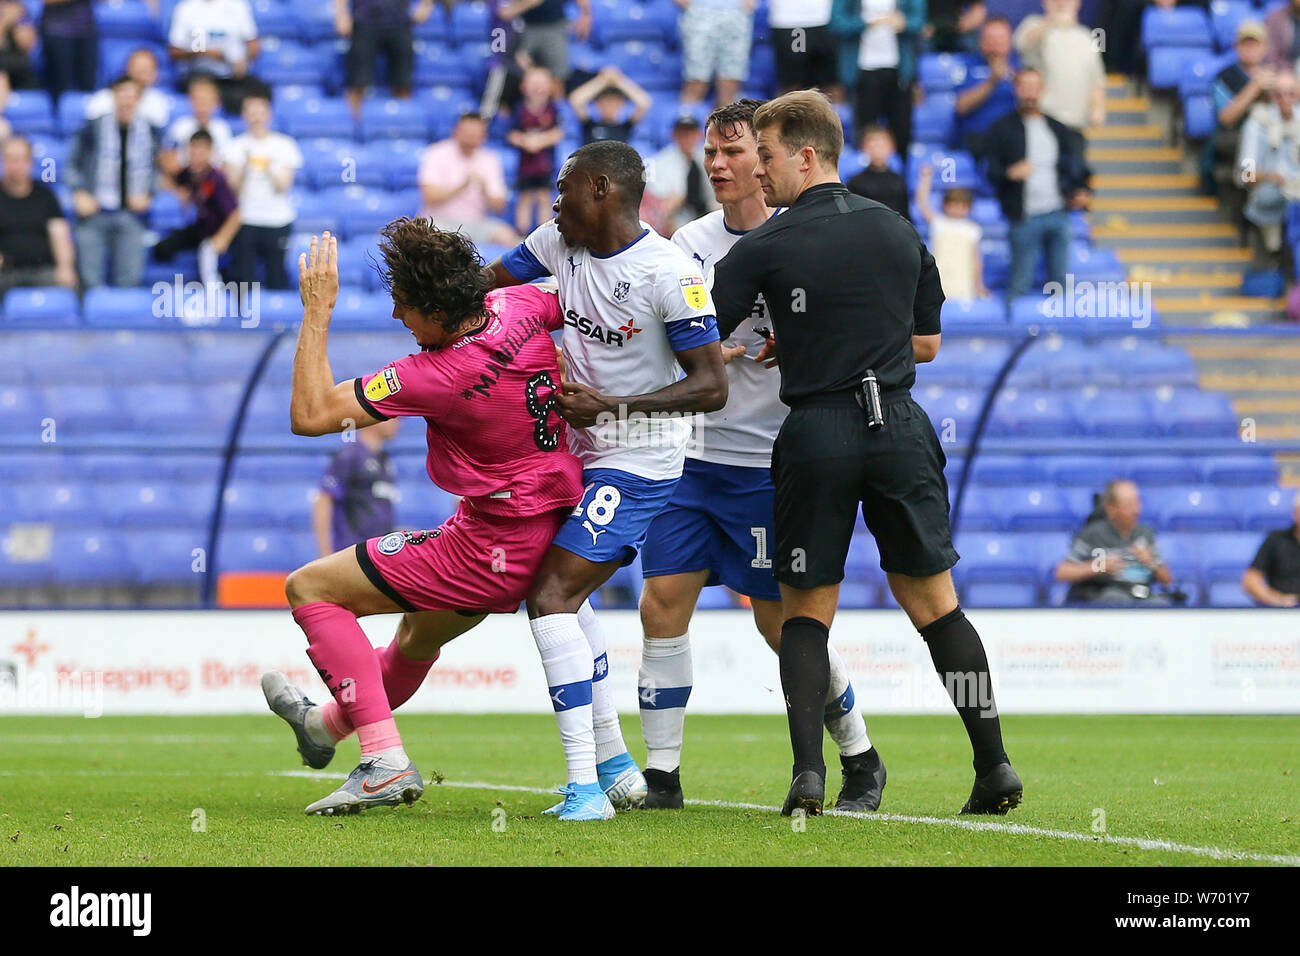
{"x":959,"y":659}
{"x":806,"y":679}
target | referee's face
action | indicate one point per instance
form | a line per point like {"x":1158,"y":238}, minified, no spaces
{"x":778,"y":171}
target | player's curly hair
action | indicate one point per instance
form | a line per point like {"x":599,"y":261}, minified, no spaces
{"x":433,"y":271}
{"x":734,"y":120}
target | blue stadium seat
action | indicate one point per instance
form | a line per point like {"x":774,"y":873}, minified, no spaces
{"x":1112,"y":413}
{"x":1144,"y":364}
{"x":285,"y":62}
{"x":1033,"y":508}
{"x":862,"y":564}
{"x":998,"y":569}
{"x":393,"y":119}
{"x":941,"y":72}
{"x":329,"y":163}
{"x":1165,"y":64}
{"x":84,"y":556}
{"x":30,"y":112}
{"x":44,"y":306}
{"x":980,"y":510}
{"x":1199,"y":119}
{"x":1224,"y":559}
{"x":994,"y":471}
{"x":141,"y":504}
{"x":470,"y":21}
{"x":83,"y":409}
{"x":616,"y":22}
{"x":263,"y":550}
{"x":440,"y":65}
{"x":952,"y":409}
{"x":445,"y":104}
{"x":126,"y":19}
{"x":1241,"y":470}
{"x":1261,"y":507}
{"x":274,"y":18}
{"x":972,"y":311}
{"x":423,"y":505}
{"x":934,"y":121}
{"x":64,"y":502}
{"x":315,"y":117}
{"x":1164,"y":470}
{"x":1190,"y":508}
{"x":1225,"y":17}
{"x":953,"y":168}
{"x":1031,"y":413}
{"x":360,"y":310}
{"x":1191,"y":413}
{"x":121,"y":308}
{"x":1176,"y":27}
{"x":166,"y":558}
{"x":251,"y":504}
{"x":72,"y":111}
{"x":315,"y":20}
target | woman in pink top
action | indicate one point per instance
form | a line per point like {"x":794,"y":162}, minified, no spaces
{"x":485,"y":383}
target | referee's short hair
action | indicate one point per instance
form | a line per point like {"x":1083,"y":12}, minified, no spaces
{"x":804,"y":118}
{"x":620,"y":162}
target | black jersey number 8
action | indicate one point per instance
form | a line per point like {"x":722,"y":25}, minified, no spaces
{"x":540,"y":410}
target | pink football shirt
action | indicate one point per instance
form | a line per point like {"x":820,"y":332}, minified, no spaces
{"x":488,"y":400}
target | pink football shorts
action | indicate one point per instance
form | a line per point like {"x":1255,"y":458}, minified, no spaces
{"x":472,"y":562}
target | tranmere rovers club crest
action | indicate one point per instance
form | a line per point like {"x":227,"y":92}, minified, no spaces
{"x":621,"y":291}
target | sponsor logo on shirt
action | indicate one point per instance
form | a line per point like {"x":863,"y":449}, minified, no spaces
{"x":693,"y":291}
{"x":593,"y":331}
{"x":383,"y":385}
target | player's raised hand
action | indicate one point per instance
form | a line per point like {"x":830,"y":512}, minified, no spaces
{"x":318,"y":274}
{"x":767,"y":354}
{"x":580,"y":405}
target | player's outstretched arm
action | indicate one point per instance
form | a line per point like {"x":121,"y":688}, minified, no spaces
{"x":317,"y":406}
{"x":499,"y":276}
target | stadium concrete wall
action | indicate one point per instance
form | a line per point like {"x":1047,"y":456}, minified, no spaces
{"x":1044,"y":661}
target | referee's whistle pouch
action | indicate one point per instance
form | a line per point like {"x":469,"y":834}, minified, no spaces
{"x":868,"y":396}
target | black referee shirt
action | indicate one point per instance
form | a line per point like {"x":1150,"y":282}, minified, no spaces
{"x":847,"y":282}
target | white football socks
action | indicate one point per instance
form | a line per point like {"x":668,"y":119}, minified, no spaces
{"x":844,"y":718}
{"x":604,"y":715}
{"x":567,"y":661}
{"x":663,"y":687}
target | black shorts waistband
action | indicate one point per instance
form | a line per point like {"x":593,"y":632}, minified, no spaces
{"x":848,"y":398}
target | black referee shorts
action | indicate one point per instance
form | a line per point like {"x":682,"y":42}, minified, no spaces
{"x":826,"y":463}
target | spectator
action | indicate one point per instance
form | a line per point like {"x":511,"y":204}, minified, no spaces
{"x":261,"y":166}
{"x":954,"y":240}
{"x":5,"y":129}
{"x":35,"y":242}
{"x":1113,"y":560}
{"x":374,"y":27}
{"x":987,"y":93}
{"x":462,"y":183}
{"x":155,"y":105}
{"x":677,"y":184}
{"x":357,"y":493}
{"x":69,"y":46}
{"x":716,"y":37}
{"x":804,"y":46}
{"x":1237,"y":88}
{"x":205,"y":106}
{"x":887,"y":65}
{"x":545,"y":39}
{"x":1273,"y":578}
{"x":217,"y":37}
{"x":1269,"y":161}
{"x":1283,"y":37}
{"x":879,"y":181}
{"x":1121,"y":24}
{"x":216,"y":218}
{"x":1037,"y":166}
{"x":535,"y":132}
{"x":111,"y":171}
{"x":17,"y":37}
{"x":611,"y":90}
{"x":1062,"y":49}
{"x":954,"y":24}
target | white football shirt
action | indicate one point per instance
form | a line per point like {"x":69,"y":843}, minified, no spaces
{"x":742,"y":432}
{"x":619,"y":311}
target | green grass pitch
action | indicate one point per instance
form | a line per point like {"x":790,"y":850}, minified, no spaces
{"x":1172,"y":791}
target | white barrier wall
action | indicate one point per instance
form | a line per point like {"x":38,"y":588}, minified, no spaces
{"x":1047,"y":661}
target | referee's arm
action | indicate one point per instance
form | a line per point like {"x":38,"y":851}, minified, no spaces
{"x":926,"y":332}
{"x":735,"y":287}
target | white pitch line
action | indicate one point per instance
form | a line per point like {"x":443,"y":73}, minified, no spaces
{"x":1140,"y":843}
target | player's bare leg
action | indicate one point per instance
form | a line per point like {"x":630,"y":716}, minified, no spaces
{"x":959,"y":659}
{"x":327,"y":596}
{"x":579,"y":695}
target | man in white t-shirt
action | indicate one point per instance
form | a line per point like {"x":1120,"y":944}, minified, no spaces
{"x":260,"y":166}
{"x":205,"y":103}
{"x":217,"y":37}
{"x":806,"y":51}
{"x":677,"y":186}
{"x":1064,"y":51}
{"x":879,"y":95}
